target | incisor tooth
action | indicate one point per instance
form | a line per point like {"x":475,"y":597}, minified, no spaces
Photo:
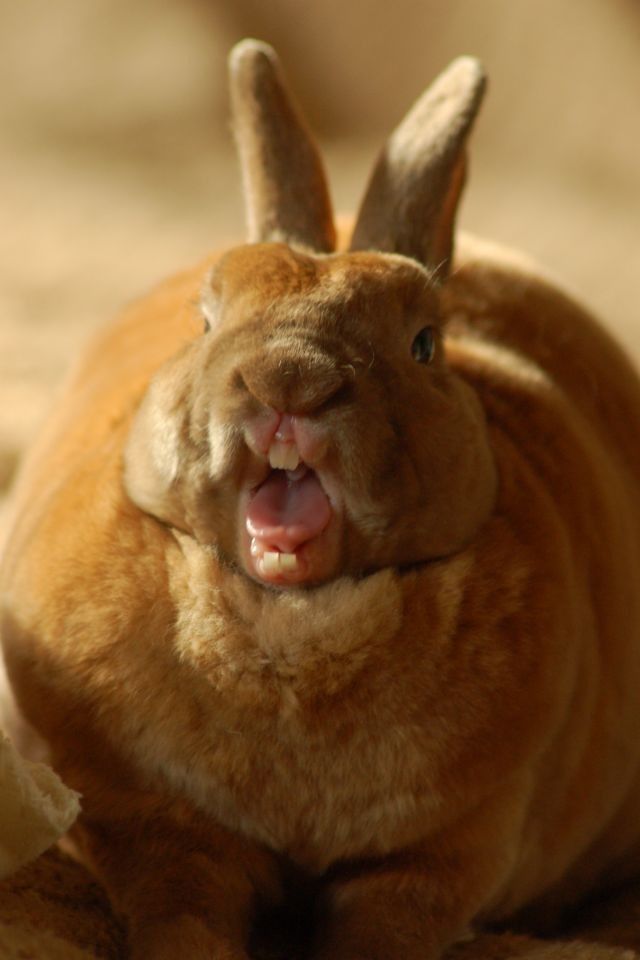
{"x":271,"y":562}
{"x":276,"y":454}
{"x":283,"y":456}
{"x":293,"y":457}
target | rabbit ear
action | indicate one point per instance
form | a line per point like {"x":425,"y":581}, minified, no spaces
{"x":285,"y":186}
{"x":412,"y":197}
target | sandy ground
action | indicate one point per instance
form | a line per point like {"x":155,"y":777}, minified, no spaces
{"x":116,"y":163}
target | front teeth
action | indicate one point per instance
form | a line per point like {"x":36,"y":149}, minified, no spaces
{"x":283,"y":455}
{"x":273,"y":562}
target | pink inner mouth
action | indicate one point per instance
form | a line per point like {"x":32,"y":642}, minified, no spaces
{"x":288,"y":510}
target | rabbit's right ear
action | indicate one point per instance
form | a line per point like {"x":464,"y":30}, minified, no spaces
{"x":412,"y":197}
{"x":285,"y":187}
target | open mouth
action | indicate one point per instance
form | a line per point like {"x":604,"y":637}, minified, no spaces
{"x":285,"y":516}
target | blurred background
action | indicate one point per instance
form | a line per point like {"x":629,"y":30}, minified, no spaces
{"x":117,"y":166}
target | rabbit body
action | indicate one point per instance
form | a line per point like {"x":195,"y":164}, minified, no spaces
{"x":434,"y":721}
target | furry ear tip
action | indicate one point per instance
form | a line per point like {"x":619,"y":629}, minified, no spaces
{"x":464,"y":74}
{"x":469,"y":66}
{"x":249,"y":54}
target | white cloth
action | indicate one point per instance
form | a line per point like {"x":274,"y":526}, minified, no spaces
{"x":36,"y":808}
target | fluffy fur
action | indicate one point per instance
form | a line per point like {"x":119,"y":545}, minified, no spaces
{"x":440,"y":728}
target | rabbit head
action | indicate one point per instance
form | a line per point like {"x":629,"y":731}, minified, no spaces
{"x":315,"y":429}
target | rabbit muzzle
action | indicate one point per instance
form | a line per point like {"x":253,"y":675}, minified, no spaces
{"x":293,"y":376}
{"x":289,"y":520}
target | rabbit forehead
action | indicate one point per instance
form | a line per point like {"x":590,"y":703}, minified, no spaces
{"x":274,"y":279}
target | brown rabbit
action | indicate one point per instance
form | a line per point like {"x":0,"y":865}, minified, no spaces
{"x":323,"y":580}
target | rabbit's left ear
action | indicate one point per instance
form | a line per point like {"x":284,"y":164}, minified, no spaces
{"x":411,"y":201}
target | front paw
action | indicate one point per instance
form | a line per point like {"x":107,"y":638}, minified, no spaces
{"x":184,"y":937}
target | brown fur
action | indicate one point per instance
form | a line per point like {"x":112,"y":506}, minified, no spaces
{"x":440,"y":729}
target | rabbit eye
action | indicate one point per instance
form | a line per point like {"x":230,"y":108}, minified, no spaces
{"x":207,"y":325}
{"x":424,"y":345}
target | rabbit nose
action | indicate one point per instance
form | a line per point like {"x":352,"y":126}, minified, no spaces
{"x":297,"y":385}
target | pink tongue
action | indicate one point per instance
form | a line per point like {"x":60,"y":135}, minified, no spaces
{"x":284,"y":513}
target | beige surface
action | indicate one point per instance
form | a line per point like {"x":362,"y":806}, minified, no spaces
{"x":116,"y":163}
